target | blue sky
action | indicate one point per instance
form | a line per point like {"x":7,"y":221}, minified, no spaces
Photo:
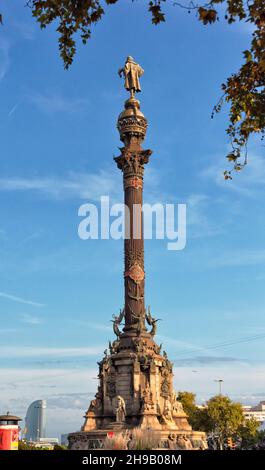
{"x":58,"y":137}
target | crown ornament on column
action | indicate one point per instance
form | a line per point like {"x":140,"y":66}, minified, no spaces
{"x":131,"y":121}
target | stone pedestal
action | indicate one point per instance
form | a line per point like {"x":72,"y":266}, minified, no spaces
{"x":137,"y":372}
{"x":149,"y":420}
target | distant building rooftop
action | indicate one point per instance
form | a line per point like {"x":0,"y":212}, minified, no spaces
{"x":9,"y":417}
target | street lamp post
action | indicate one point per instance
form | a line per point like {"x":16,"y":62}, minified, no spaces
{"x":220,"y":381}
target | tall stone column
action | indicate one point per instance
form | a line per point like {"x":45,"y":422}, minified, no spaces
{"x":135,"y":377}
{"x":132,"y":127}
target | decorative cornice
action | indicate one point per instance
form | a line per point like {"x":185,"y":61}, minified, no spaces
{"x":134,"y":126}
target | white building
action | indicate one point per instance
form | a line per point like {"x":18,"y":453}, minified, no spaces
{"x":35,"y":421}
{"x":257,"y":412}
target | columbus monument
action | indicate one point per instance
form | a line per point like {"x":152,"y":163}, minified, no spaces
{"x":135,"y":376}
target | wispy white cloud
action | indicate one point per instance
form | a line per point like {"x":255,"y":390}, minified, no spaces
{"x":89,"y":186}
{"x":28,"y":378}
{"x":4,"y":58}
{"x":13,"y":109}
{"x":25,"y":29}
{"x":180,"y":345}
{"x":239,"y":258}
{"x":51,"y":103}
{"x":206,"y":361}
{"x":199,"y":222}
{"x":30,"y":319}
{"x":69,"y":400}
{"x":248,"y":182}
{"x":31,"y":351}
{"x":20,"y":300}
{"x":8,"y":330}
{"x":30,"y":237}
{"x":93,"y":325}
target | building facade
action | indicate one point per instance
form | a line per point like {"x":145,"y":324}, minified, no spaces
{"x":257,"y":412}
{"x":35,"y":421}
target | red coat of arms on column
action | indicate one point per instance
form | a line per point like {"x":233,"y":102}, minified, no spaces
{"x":136,"y":273}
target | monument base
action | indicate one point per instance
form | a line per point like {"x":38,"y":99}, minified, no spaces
{"x":172,"y":438}
{"x":136,"y":392}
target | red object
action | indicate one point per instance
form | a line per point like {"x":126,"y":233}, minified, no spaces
{"x":9,"y":437}
{"x":9,"y":432}
{"x":110,"y":434}
{"x":136,"y":183}
{"x":136,"y":273}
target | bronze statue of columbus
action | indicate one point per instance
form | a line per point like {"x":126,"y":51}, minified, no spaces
{"x":132,"y":73}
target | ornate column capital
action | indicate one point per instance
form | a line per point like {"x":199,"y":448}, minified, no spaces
{"x":131,"y":162}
